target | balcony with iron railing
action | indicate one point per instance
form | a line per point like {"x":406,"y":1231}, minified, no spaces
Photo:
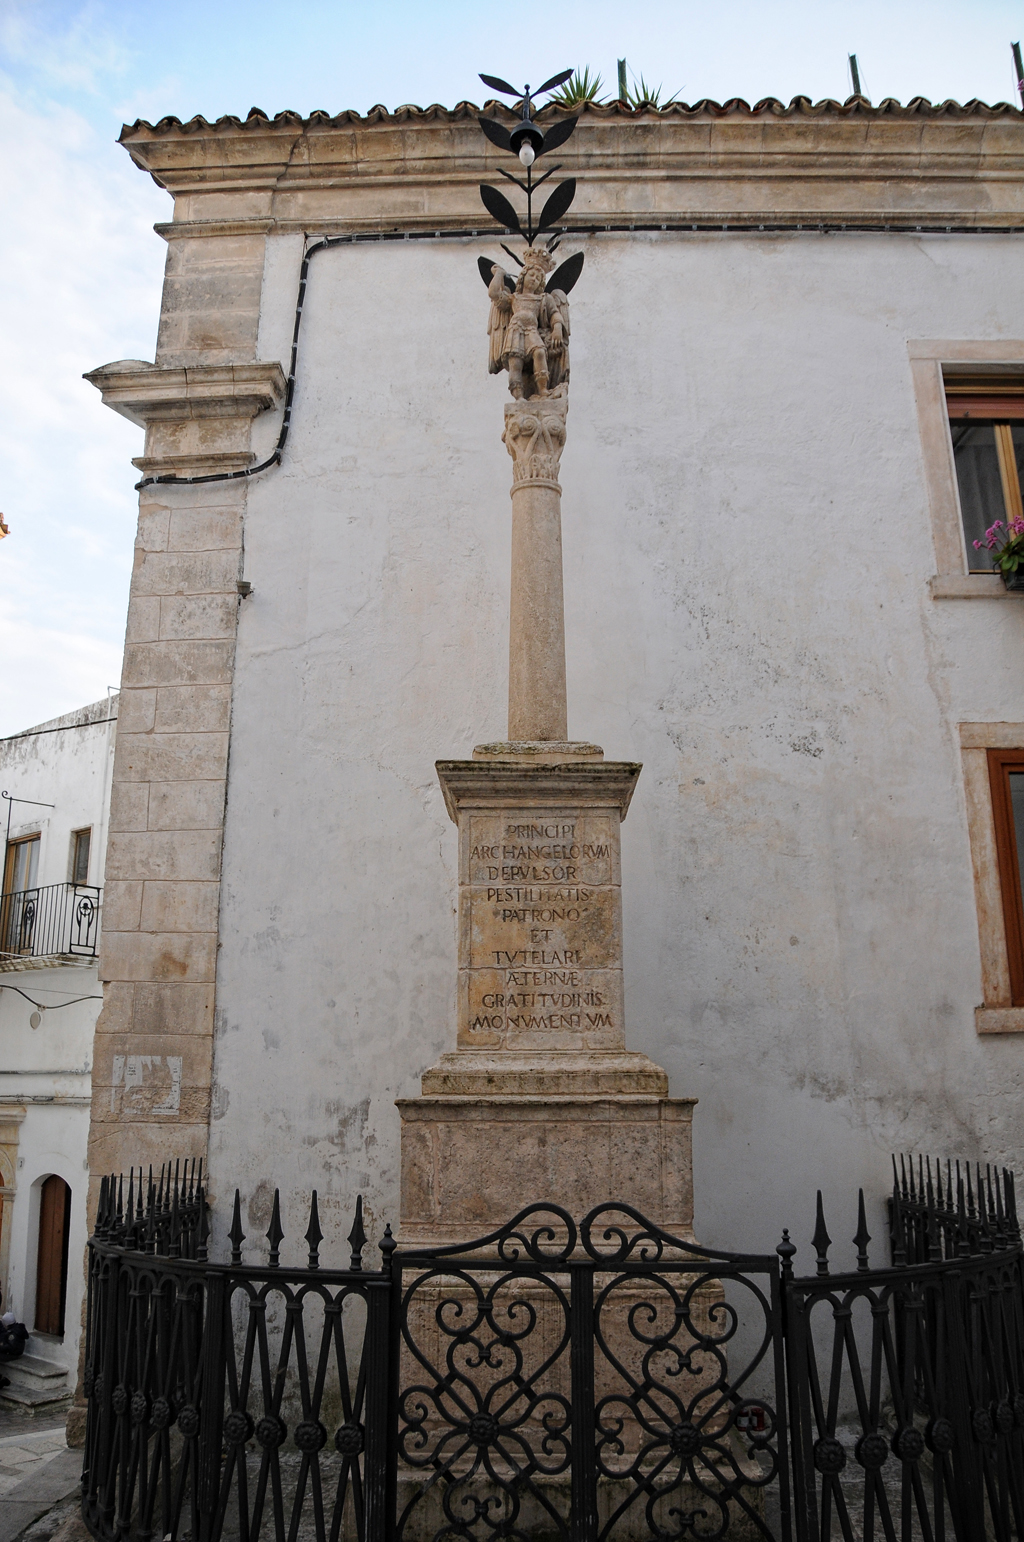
{"x":55,"y":923}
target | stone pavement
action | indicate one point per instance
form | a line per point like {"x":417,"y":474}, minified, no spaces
{"x":39,"y":1479}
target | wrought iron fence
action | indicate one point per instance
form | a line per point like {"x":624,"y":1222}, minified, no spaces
{"x":594,"y":1381}
{"x":57,"y":920}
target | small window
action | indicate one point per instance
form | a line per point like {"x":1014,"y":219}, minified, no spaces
{"x":986,"y":421}
{"x":1006,"y":771}
{"x":80,"y":843}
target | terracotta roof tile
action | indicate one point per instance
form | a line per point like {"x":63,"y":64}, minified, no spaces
{"x":736,"y":107}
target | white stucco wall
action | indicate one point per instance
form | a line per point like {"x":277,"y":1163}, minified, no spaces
{"x":747,"y":549}
{"x":46,"y":1070}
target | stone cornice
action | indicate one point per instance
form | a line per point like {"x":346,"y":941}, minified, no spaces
{"x":419,"y":169}
{"x":197,"y":417}
{"x":149,"y":393}
{"x":498,"y":784}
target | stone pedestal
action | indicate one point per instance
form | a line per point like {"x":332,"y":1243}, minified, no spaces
{"x":541,"y":1100}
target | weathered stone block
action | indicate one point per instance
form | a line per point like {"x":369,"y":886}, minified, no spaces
{"x":129,"y":806}
{"x":136,"y":710}
{"x":118,"y":1006}
{"x":181,"y":572}
{"x":159,"y":854}
{"x":179,"y":906}
{"x":198,"y":616}
{"x":143,"y":619}
{"x":193,"y":709}
{"x":154,"y":523}
{"x":178,"y":1008}
{"x":186,"y":805}
{"x":470,"y":1163}
{"x":139,"y":955}
{"x":171,"y":757}
{"x":214,"y":529}
{"x":179,"y":663}
{"x":122,"y":906}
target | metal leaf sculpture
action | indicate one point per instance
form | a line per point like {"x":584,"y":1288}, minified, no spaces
{"x":564,"y":276}
{"x":526,"y":140}
{"x":485,"y":265}
{"x":499,"y":207}
{"x":557,"y":204}
{"x":497,"y":84}
{"x":496,"y":132}
{"x":554,"y":136}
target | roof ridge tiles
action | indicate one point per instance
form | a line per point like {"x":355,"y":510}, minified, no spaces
{"x":769,"y":106}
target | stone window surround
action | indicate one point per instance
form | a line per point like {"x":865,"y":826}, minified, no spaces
{"x":952,"y":581}
{"x":995,"y":1015}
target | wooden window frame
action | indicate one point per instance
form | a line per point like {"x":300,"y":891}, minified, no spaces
{"x":13,"y":842}
{"x":987,"y":402}
{"x":76,"y":836}
{"x":1000,"y":763}
{"x":934,"y":364}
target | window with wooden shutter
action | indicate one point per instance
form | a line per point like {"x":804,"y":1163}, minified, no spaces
{"x":986,"y":422}
{"x":1006,"y":772}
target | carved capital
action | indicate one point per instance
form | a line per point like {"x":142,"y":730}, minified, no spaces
{"x":197,"y":419}
{"x":535,"y":437}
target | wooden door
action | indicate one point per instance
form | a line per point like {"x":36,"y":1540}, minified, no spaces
{"x":52,"y":1267}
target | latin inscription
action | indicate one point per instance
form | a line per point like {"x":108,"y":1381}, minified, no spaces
{"x":540,"y":949}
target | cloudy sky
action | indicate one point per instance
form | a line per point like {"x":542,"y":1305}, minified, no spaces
{"x":80,"y":266}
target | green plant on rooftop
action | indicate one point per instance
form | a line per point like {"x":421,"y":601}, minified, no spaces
{"x":583,"y":87}
{"x":640,"y":94}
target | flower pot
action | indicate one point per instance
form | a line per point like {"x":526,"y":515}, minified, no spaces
{"x":1013,"y":581}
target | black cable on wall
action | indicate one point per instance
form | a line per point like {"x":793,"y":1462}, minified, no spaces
{"x":699,"y":227}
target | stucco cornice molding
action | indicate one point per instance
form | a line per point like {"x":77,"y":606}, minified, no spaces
{"x":197,"y":418}
{"x":420,"y":168}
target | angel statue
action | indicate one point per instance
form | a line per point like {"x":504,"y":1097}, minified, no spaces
{"x":528,"y":327}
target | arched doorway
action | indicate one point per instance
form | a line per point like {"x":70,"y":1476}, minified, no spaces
{"x":52,"y":1266}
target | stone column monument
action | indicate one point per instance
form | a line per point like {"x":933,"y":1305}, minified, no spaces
{"x":540,"y":1100}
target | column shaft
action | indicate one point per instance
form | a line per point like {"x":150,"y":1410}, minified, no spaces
{"x":536,"y":668}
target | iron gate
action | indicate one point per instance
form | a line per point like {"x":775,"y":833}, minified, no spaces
{"x":594,"y":1381}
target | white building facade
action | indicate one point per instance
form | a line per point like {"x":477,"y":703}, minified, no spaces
{"x":56,"y":781}
{"x":771,"y":601}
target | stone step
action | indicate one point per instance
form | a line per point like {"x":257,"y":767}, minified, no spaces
{"x":34,"y":1382}
{"x":35,"y":1398}
{"x":34,"y":1368}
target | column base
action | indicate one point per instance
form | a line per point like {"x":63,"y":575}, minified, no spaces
{"x":469,"y":1163}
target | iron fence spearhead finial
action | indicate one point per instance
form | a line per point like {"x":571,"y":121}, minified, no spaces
{"x":863,"y":1236}
{"x":357,"y":1237}
{"x":821,"y":1240}
{"x":275,"y":1232}
{"x":314,"y":1236}
{"x":236,"y":1236}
